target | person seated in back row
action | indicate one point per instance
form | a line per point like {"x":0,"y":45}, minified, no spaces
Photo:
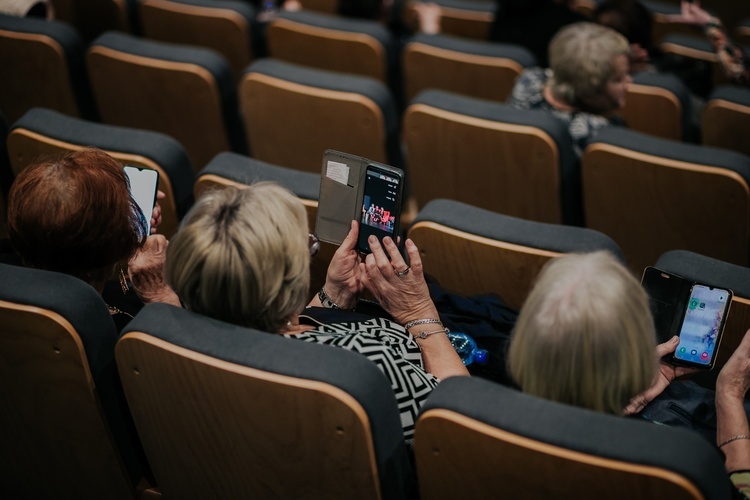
{"x":585,"y":337}
{"x":585,"y":84}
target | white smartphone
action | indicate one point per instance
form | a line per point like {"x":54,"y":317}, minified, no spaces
{"x":144,"y":183}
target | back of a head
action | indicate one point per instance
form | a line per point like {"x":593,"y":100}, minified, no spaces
{"x":75,"y":215}
{"x":241,"y":256}
{"x":585,"y":336}
{"x":630,"y":18}
{"x":581,"y":58}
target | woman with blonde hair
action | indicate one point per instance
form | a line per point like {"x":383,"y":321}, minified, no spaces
{"x":585,"y":337}
{"x":585,"y":84}
{"x":243,"y":256}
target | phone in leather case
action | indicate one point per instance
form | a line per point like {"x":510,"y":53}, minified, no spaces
{"x":354,"y":187}
{"x":695,"y":312}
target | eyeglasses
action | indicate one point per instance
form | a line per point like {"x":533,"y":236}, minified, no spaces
{"x":313,"y":244}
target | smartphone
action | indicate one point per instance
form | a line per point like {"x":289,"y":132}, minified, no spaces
{"x":381,"y":205}
{"x":664,"y":292}
{"x":143,"y":186}
{"x":702,"y":326}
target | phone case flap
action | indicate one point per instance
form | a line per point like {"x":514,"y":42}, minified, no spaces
{"x":341,"y":184}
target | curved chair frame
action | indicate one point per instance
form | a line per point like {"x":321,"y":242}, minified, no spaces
{"x":473,"y":251}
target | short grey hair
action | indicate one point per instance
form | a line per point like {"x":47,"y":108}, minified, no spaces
{"x":581,"y":56}
{"x":241,"y":256}
{"x":585,"y":335}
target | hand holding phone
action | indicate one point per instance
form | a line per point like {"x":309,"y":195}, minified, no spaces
{"x":695,"y":312}
{"x":143,"y":187}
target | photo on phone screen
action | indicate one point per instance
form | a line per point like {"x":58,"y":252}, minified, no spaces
{"x":143,"y":185}
{"x":380,"y":206}
{"x":700,"y":333}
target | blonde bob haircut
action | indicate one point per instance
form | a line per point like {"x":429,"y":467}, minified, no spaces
{"x":241,"y":256}
{"x":581,"y":57}
{"x":585,"y":336}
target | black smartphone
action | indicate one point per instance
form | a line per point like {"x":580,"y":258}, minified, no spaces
{"x":665,"y":292}
{"x":144,"y":183}
{"x":693,"y":311}
{"x":702,"y":326}
{"x":381,"y":204}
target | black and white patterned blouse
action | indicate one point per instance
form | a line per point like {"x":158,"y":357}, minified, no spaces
{"x":528,"y":93}
{"x":393,"y":350}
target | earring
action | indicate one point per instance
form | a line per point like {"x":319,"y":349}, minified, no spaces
{"x":123,"y":281}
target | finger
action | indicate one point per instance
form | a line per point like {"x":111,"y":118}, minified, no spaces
{"x":415,"y":260}
{"x":373,"y":272}
{"x":667,"y":347}
{"x":397,"y":261}
{"x":160,"y":195}
{"x":350,"y":241}
{"x":378,"y":254}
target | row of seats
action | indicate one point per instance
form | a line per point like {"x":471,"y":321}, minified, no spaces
{"x":228,"y":412}
{"x":649,"y":195}
{"x":658,"y":104}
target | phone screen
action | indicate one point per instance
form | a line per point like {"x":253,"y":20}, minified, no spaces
{"x":380,"y":207}
{"x":702,"y":325}
{"x":143,"y":186}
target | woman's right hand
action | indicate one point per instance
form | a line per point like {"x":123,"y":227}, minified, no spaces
{"x":146,"y":272}
{"x":405,"y":296}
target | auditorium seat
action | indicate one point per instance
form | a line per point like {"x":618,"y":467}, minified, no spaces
{"x":231,"y":169}
{"x":43,"y":65}
{"x":478,"y":439}
{"x":698,"y":52}
{"x":473,"y":251}
{"x":474,"y":68}
{"x":94,"y":17}
{"x":293,"y":114}
{"x":742,"y":32}
{"x":652,"y":195}
{"x":726,"y":119}
{"x":463,"y":18}
{"x":511,"y":161}
{"x":659,"y":104}
{"x":334,"y":43}
{"x":66,"y":433}
{"x":183,"y":91}
{"x":230,"y":412}
{"x":714,"y":272}
{"x":43,"y":131}
{"x":226,"y":26}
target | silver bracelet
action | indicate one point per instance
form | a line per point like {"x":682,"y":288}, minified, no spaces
{"x":424,"y":335}
{"x":422,"y":322}
{"x":733,"y":438}
{"x":326,"y":300}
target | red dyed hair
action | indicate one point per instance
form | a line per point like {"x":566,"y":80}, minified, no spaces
{"x":75,"y":215}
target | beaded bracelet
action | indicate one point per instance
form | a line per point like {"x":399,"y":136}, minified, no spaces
{"x":733,"y":438}
{"x":422,"y":322}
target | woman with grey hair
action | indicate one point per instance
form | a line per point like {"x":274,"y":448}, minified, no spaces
{"x":242,"y":256}
{"x":585,"y":337}
{"x":585,"y":84}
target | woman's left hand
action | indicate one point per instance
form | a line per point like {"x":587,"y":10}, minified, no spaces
{"x":666,"y":374}
{"x":400,"y":289}
{"x":344,"y":276}
{"x":156,"y":214}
